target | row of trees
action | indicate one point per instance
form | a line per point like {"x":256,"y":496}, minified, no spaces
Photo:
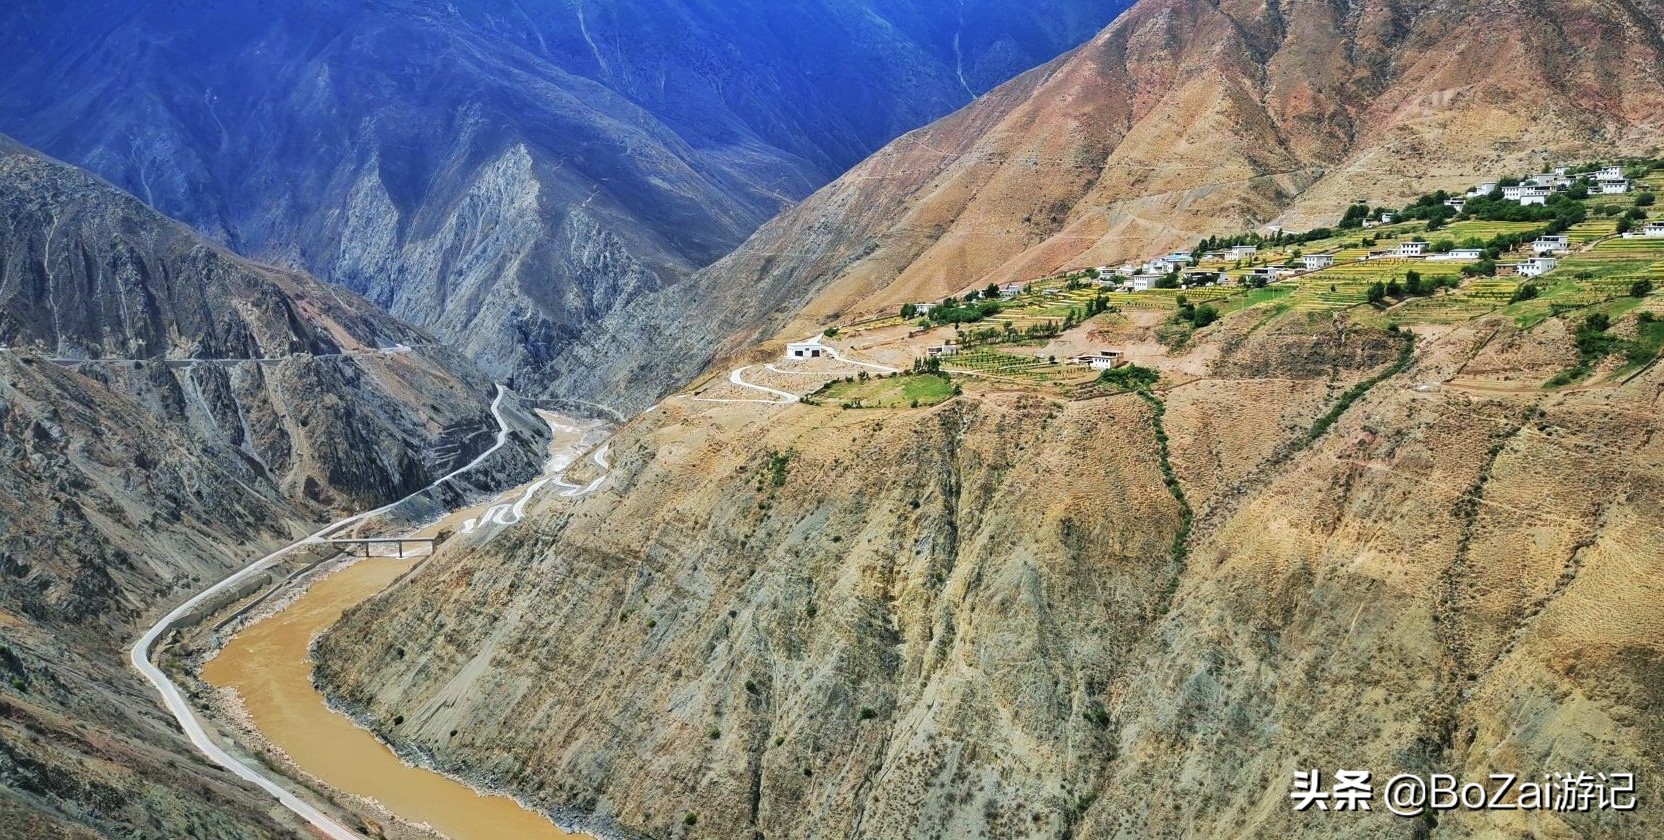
{"x":1414,"y":285}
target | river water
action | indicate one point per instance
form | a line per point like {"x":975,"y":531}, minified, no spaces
{"x":269,"y":666}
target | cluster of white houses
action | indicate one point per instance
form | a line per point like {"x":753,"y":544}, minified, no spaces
{"x":1535,"y":190}
{"x":1538,"y":189}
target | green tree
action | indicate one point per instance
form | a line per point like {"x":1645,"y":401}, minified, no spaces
{"x":1483,"y":268}
{"x":1640,"y":288}
{"x":992,"y":292}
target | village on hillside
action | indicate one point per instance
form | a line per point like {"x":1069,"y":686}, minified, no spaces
{"x":1574,"y":241}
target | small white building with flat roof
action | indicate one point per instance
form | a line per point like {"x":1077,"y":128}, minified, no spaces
{"x":1461,"y":254}
{"x":1537,"y":266}
{"x":1101,"y":360}
{"x":1316,"y":262}
{"x":1551,"y":245}
{"x":798,"y":351}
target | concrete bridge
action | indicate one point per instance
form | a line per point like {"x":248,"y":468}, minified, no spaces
{"x":349,"y":545}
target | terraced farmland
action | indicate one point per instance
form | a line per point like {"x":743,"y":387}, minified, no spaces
{"x":1588,"y":231}
{"x":993,"y":363}
{"x":1618,"y":258}
{"x":1485,"y":231}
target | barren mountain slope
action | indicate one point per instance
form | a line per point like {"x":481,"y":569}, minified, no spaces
{"x":1185,"y":118}
{"x":970,"y":621}
{"x":231,"y":407}
{"x":504,"y":173}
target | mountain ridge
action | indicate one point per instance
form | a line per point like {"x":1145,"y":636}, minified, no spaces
{"x":1022,"y":184}
{"x":504,"y":174}
{"x":179,"y":412}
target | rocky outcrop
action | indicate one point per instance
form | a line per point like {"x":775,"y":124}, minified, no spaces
{"x":168,"y":413}
{"x":512,"y":176}
{"x":996,"y":617}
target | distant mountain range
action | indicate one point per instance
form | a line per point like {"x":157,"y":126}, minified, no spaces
{"x":507,"y":173}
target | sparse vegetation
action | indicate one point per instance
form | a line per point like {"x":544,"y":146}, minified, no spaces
{"x":778,"y":464}
{"x":1405,"y":354}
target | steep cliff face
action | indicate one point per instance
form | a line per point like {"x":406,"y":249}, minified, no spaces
{"x":168,"y":413}
{"x":505,"y":174}
{"x":1183,"y":119}
{"x":995,"y":618}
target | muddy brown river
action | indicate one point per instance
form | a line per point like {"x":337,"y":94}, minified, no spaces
{"x":269,"y":666}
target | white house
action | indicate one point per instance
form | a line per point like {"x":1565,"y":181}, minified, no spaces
{"x":1610,"y":173}
{"x":1653,"y":229}
{"x":1537,"y":266}
{"x":1388,"y":218}
{"x":942,"y":351}
{"x":1010,"y":290}
{"x":1611,"y":186}
{"x":1482,"y":190}
{"x":1101,"y":360}
{"x":923,"y":308}
{"x":1461,"y":254}
{"x":1270,"y":273}
{"x":1457,"y":204}
{"x":1551,"y":245}
{"x":800,"y":350}
{"x":1411,"y":250}
{"x":1315,"y":262}
{"x":1242,"y":252}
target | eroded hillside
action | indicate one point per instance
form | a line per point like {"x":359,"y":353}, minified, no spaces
{"x":168,"y":414}
{"x":973,"y":620}
{"x":1183,"y":119}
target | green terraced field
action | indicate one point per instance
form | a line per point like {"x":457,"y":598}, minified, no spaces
{"x":1007,"y":365}
{"x":1618,"y":258}
{"x":1476,"y":229}
{"x":1585,"y":232}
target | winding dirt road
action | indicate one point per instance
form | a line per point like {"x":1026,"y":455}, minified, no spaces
{"x":174,"y":699}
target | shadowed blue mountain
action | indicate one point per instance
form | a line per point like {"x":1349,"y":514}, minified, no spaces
{"x":504,"y":172}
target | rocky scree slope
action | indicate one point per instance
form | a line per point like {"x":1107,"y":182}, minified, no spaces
{"x":126,"y":486}
{"x":508,"y":175}
{"x":990,"y":618}
{"x":1184,"y":118}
